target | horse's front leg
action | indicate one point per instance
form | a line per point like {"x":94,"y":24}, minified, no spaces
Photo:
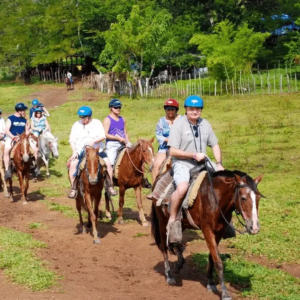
{"x":26,"y":185}
{"x":78,"y":206}
{"x":92,"y":217}
{"x":180,"y":259}
{"x":107,"y":208}
{"x":212,"y":243}
{"x":121,"y":204}
{"x":138,"y":196}
{"x":46,"y":162}
{"x":6,"y":195}
{"x":22,"y":187}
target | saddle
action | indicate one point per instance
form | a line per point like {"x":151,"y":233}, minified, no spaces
{"x":120,"y":153}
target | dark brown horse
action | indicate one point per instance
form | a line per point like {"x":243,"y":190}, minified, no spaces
{"x":70,"y":86}
{"x":232,"y":191}
{"x":22,"y":164}
{"x":90,"y":187}
{"x":131,"y":176}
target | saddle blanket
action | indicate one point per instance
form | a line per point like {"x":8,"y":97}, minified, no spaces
{"x":118,"y":162}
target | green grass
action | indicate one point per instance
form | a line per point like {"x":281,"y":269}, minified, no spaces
{"x":139,"y":234}
{"x":19,"y":262}
{"x":37,"y":225}
{"x":253,"y":280}
{"x":67,"y":211}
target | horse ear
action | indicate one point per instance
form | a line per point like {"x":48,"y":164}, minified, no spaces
{"x":258,"y":179}
{"x":239,"y":179}
{"x":151,"y":140}
{"x":97,"y":149}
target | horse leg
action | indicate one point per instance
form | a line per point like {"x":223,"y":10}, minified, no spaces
{"x":26,"y":177}
{"x":211,"y":286}
{"x":92,"y":217}
{"x":46,"y":162}
{"x":97,"y":200}
{"x":138,"y":196}
{"x":180,"y":259}
{"x":6,"y":195}
{"x":212,"y":243}
{"x":107,"y":208}
{"x":82,"y":229}
{"x":22,"y":187}
{"x":121,"y":204}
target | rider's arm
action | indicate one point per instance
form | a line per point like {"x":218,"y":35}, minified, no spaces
{"x":7,"y":129}
{"x":47,"y":126}
{"x":46,"y":113}
{"x":106,"y":125}
{"x":72,"y":141}
{"x":218,"y":156}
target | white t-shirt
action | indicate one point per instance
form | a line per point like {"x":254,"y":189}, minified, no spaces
{"x":69,"y":75}
{"x":81,"y":135}
{"x":2,"y":126}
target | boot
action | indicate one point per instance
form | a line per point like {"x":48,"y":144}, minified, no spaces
{"x":146,"y":184}
{"x":73,"y":192}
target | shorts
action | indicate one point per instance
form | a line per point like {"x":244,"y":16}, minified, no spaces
{"x":181,"y":173}
{"x":163,"y":148}
{"x":111,"y":150}
{"x":102,"y":154}
{"x":8,"y":142}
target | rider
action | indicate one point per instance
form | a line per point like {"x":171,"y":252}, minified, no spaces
{"x":34,"y":103}
{"x":69,"y":75}
{"x":39,"y":122}
{"x":86,"y":132}
{"x":188,"y":139}
{"x":44,"y":110}
{"x":163,"y":126}
{"x":115,"y":130}
{"x":16,"y":124}
{"x":2,"y":129}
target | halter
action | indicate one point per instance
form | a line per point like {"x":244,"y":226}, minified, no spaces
{"x":236,"y":195}
{"x":132,"y":161}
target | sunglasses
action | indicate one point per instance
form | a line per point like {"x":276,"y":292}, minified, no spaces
{"x":119,"y":107}
{"x":83,"y":117}
{"x":195,"y":127}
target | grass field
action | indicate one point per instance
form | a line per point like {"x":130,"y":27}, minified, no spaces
{"x":256,"y":134}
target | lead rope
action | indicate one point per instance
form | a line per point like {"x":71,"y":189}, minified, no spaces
{"x":213,"y":192}
{"x":132,"y":161}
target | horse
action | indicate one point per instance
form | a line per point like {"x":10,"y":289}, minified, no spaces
{"x":131,"y":176}
{"x":3,"y":186}
{"x":22,"y":163}
{"x":90,"y":186}
{"x":70,"y":86}
{"x":217,"y":197}
{"x":47,"y":144}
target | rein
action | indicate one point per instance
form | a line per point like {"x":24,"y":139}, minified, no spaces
{"x":236,"y":194}
{"x":132,"y":161}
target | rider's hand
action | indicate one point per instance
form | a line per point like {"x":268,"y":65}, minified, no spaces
{"x":74,"y":155}
{"x":122,"y":140}
{"x":199,"y":156}
{"x":16,"y":138}
{"x":220,"y":167}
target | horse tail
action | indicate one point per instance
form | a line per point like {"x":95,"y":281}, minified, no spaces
{"x":155,"y":228}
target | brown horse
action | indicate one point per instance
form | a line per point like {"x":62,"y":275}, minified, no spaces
{"x":2,"y":171}
{"x":131,"y":176}
{"x":212,"y":213}
{"x":70,"y":86}
{"x":22,"y":164}
{"x":90,"y":187}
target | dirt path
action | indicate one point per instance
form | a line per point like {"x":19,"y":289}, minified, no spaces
{"x":121,"y":267}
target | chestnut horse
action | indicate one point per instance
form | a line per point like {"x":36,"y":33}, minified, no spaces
{"x":22,"y":163}
{"x":68,"y":83}
{"x":90,"y":185}
{"x":212,"y":211}
{"x":131,"y":175}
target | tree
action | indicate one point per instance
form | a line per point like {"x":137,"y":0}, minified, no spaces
{"x":230,"y":49}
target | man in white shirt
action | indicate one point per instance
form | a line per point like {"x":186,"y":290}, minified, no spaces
{"x":69,"y":75}
{"x":86,"y":132}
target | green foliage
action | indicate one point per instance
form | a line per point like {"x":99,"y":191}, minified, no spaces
{"x":19,"y":262}
{"x":229,"y":49}
{"x":294,"y":48}
{"x":140,"y":39}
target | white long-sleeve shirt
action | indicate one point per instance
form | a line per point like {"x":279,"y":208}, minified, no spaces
{"x":82,"y":135}
{"x":2,"y":126}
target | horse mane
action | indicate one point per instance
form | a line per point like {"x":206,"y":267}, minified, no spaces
{"x":231,"y":174}
{"x":133,"y":147}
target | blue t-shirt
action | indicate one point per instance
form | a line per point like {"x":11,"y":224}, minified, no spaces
{"x":17,"y":124}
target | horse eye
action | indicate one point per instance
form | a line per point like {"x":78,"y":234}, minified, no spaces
{"x":244,"y":198}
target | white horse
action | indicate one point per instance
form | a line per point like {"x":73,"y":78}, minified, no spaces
{"x":47,"y":144}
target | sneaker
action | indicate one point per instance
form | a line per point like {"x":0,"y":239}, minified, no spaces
{"x":72,"y":194}
{"x":112,"y":191}
{"x":147,"y":184}
{"x":7,"y":174}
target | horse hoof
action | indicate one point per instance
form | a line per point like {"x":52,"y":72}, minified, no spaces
{"x":226,"y":298}
{"x":121,"y":222}
{"x":34,"y":180}
{"x":48,"y":176}
{"x":212,"y":288}
{"x":25,"y":202}
{"x":171,"y":281}
{"x":7,"y":196}
{"x":145,"y":224}
{"x":96,"y":241}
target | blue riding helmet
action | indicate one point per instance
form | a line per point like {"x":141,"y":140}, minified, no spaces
{"x":20,"y":106}
{"x":115,"y":103}
{"x":194,"y":101}
{"x":38,"y":110}
{"x":40,"y":105}
{"x":84,"y":111}
{"x":35,"y":102}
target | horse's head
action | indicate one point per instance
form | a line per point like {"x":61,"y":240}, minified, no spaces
{"x":92,"y":165}
{"x":147,"y":151}
{"x":54,"y":147}
{"x":24,"y":147}
{"x":247,"y":199}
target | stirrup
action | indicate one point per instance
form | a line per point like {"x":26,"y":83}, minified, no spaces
{"x":146,"y":184}
{"x":7,"y":173}
{"x":72,"y":194}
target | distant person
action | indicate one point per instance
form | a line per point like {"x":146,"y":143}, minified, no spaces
{"x":44,"y":110}
{"x":34,"y":103}
{"x":69,"y":75}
